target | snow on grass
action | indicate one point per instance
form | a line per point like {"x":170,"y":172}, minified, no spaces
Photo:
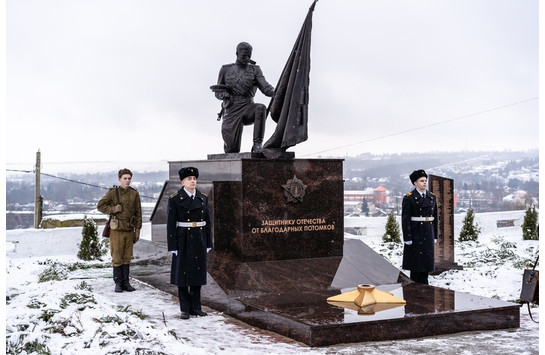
{"x":75,"y":311}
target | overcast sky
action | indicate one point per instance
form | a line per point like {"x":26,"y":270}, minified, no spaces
{"x":128,"y":81}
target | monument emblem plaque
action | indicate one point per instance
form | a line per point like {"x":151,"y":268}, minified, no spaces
{"x":294,"y":190}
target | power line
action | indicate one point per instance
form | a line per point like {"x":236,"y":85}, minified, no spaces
{"x":426,"y":126}
{"x":69,"y":180}
{"x":74,"y":181}
{"x":22,"y":171}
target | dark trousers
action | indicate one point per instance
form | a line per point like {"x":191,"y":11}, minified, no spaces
{"x":420,"y":277}
{"x":239,"y":115}
{"x":190,"y":298}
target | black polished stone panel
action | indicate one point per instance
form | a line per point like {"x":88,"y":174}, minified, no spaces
{"x":279,"y":279}
{"x":443,"y":188}
{"x":227,"y":216}
{"x":258,"y":219}
{"x":251,"y":279}
{"x":251,"y":214}
{"x":247,"y":155}
{"x":362,"y":265}
{"x":289,"y":297}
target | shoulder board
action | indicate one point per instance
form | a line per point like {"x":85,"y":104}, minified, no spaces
{"x":133,"y":188}
{"x":174,"y":195}
{"x":430,"y":193}
{"x":205,"y":195}
{"x":409,"y":194}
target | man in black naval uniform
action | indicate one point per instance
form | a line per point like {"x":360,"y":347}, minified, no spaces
{"x":419,"y":225}
{"x":240,"y":81}
{"x":189,"y":238}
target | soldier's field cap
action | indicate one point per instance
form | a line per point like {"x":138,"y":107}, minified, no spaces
{"x":188,"y":171}
{"x":417,"y":174}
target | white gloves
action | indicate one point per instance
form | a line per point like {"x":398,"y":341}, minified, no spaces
{"x":175,"y":252}
{"x":409,"y":242}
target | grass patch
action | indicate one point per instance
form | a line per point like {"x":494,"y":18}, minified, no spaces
{"x":47,"y":314}
{"x":35,"y":304}
{"x":84,"y":286}
{"x":23,"y":347}
{"x":127,"y":309}
{"x":82,"y":299}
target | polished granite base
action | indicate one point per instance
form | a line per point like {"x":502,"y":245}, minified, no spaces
{"x":289,"y":297}
{"x":280,"y":252}
{"x":264,"y":209}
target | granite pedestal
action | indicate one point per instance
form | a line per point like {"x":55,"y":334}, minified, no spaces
{"x":280,"y":253}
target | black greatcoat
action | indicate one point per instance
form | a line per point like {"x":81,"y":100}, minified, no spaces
{"x":419,"y":256}
{"x":189,"y":266}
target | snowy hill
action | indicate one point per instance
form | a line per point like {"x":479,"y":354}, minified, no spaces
{"x":81,"y":314}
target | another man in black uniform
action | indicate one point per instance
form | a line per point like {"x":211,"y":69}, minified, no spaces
{"x":188,"y":239}
{"x":241,"y":81}
{"x":419,"y":225}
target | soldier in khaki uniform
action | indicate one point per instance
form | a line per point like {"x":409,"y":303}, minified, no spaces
{"x":124,"y":203}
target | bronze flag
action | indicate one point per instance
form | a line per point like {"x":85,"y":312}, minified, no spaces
{"x":289,"y":105}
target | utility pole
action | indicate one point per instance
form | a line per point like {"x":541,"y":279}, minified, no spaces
{"x":37,"y":197}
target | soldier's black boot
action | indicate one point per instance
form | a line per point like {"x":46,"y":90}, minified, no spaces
{"x":125,"y":284}
{"x":118,"y":278}
{"x":195,"y":297}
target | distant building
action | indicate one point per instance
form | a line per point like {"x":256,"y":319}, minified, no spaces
{"x":476,"y":199}
{"x":381,"y":196}
{"x":375,"y":197}
{"x":359,"y":195}
{"x":518,"y":198}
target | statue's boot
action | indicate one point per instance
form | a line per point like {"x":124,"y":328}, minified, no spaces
{"x":259,"y":130}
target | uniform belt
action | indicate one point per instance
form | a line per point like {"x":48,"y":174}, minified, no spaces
{"x":422,"y":219}
{"x":240,"y":98}
{"x":190,"y":224}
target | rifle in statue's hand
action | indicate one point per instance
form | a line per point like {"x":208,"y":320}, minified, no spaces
{"x":223,"y":93}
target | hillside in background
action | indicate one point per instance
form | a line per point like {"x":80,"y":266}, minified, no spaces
{"x":465,"y":167}
{"x":484,"y":181}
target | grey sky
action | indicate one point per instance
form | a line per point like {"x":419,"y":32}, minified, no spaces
{"x":129,"y":80}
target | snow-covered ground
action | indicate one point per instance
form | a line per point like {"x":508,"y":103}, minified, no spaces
{"x":81,"y":314}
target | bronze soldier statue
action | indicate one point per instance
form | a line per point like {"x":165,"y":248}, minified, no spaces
{"x":237,"y":85}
